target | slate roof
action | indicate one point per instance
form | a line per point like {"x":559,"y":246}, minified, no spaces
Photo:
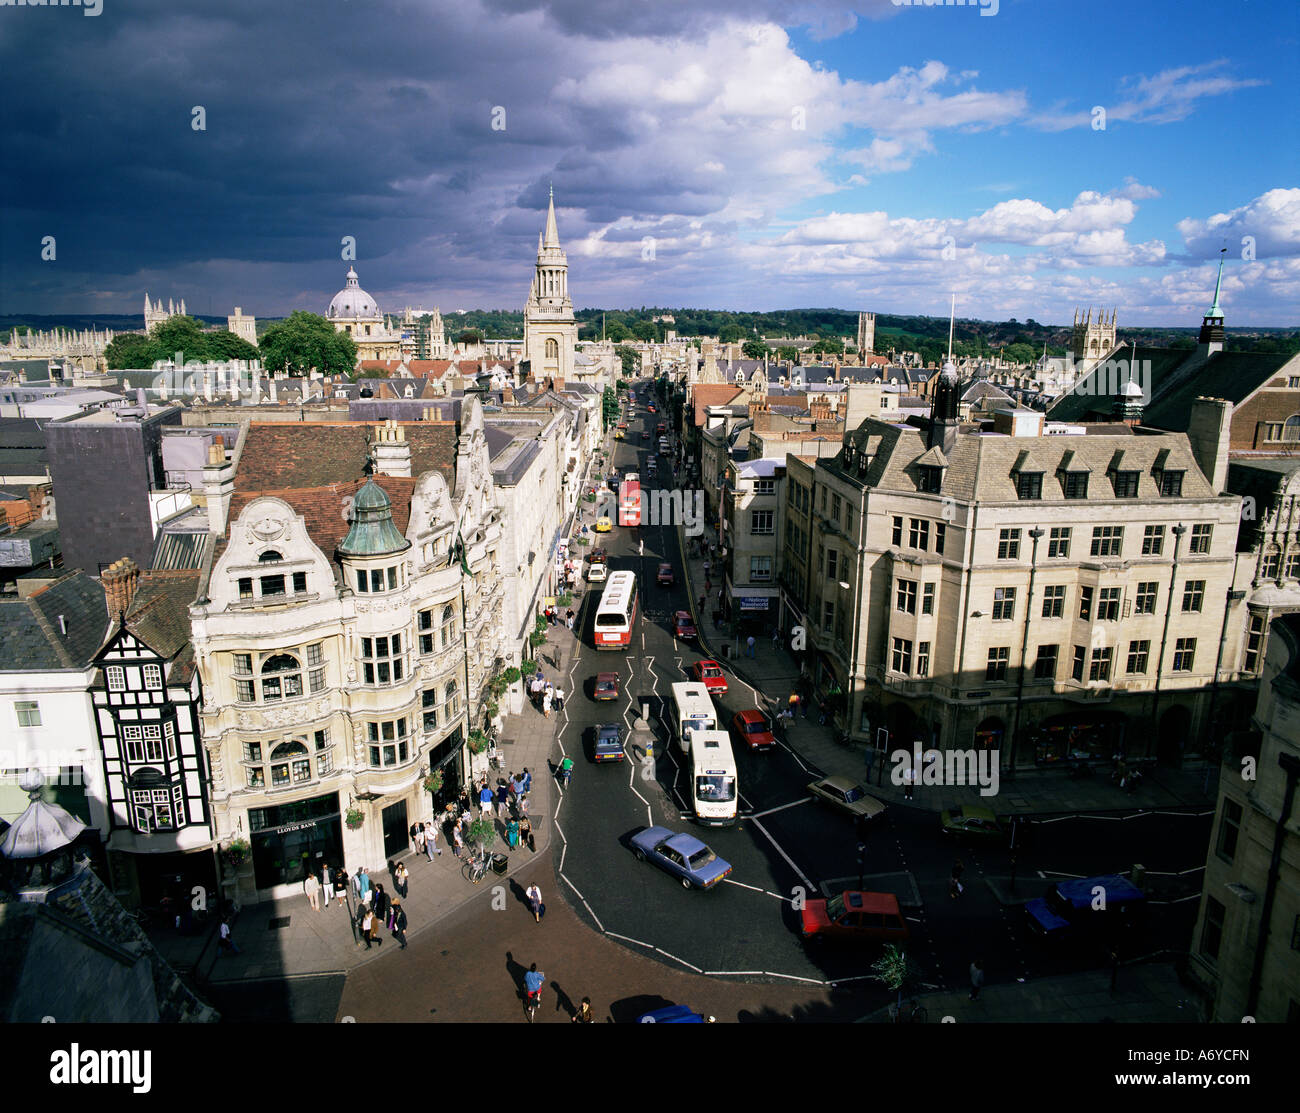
{"x":982,"y":467}
{"x":31,"y":640}
{"x":1178,"y":378}
{"x":296,"y":455}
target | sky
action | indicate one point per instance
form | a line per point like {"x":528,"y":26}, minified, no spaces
{"x":1032,"y":156}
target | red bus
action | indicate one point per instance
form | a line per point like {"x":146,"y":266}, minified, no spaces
{"x":629,"y":503}
{"x":616,"y":614}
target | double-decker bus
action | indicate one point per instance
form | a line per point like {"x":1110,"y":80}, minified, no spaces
{"x":616,"y":614}
{"x":629,"y":503}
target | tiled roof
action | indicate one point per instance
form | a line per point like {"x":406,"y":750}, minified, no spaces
{"x":31,"y":639}
{"x":322,"y":507}
{"x":159,"y":614}
{"x":704,"y":395}
{"x":295,"y":455}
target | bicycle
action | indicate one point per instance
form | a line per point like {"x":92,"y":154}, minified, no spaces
{"x":476,"y":868}
{"x":532,"y":1002}
{"x":911,"y":1013}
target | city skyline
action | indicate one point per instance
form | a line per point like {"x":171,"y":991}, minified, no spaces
{"x":754,"y":158}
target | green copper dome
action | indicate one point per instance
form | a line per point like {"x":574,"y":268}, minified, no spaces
{"x":372,"y":532}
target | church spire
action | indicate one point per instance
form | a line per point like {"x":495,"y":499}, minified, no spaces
{"x":1215,"y":311}
{"x":552,"y":232}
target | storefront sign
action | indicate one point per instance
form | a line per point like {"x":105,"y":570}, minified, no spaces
{"x":296,"y":827}
{"x":753,"y":602}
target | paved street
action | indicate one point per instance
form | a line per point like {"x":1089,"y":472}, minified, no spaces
{"x":631,"y":938}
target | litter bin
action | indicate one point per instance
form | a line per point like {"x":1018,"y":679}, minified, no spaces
{"x":500,"y":863}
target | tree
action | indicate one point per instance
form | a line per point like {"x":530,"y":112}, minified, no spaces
{"x":609,"y":405}
{"x":787,"y":352}
{"x":755,"y":349}
{"x":643,"y":330}
{"x":895,"y":970}
{"x":631,"y":360}
{"x":129,"y":349}
{"x":730,"y":333}
{"x":469,"y":336}
{"x":829,"y":346}
{"x":617,"y":332}
{"x":306,"y":341}
{"x":182,"y":339}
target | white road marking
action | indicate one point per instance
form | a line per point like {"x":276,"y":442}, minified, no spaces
{"x":755,"y":889}
{"x":629,"y":939}
{"x":689,"y":966}
{"x":783,"y":807}
{"x":789,"y":861}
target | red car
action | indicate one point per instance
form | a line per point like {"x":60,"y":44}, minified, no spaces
{"x":752,"y":728}
{"x":854,"y":915}
{"x":709,"y":673}
{"x":606,"y":686}
{"x":683,"y":627}
{"x":665,"y":576}
{"x":661,"y":428}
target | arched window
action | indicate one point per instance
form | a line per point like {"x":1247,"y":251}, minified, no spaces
{"x":552,"y":349}
{"x":268,"y":556}
{"x":451,"y":698}
{"x":1291,"y":428}
{"x":1272,"y":563}
{"x":448,"y":628}
{"x":290,"y":764}
{"x":281,"y":677}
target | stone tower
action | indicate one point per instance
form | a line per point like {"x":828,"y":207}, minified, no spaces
{"x":243,"y":327}
{"x":550,"y":331}
{"x":155,"y":314}
{"x":1091,"y":340}
{"x":866,"y":334}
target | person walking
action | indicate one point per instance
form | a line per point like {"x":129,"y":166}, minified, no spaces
{"x":703,"y":599}
{"x":363,"y":885}
{"x":558,"y":696}
{"x":368,"y":926}
{"x":341,"y":883}
{"x":585,"y":1013}
{"x":503,"y":801}
{"x":640,"y":547}
{"x":526,"y":833}
{"x":431,"y":846}
{"x":749,"y":646}
{"x":312,"y":888}
{"x":546,"y":705}
{"x":380,"y":904}
{"x":955,"y":887}
{"x":976,"y":978}
{"x":517,"y":784}
{"x":401,"y":880}
{"x":528,"y":780}
{"x":225,"y":943}
{"x":706,"y":569}
{"x":776,"y":637}
{"x":909,"y":781}
{"x":523,"y":805}
{"x":417,"y":837}
{"x":569,"y":617}
{"x":708,"y":585}
{"x":484,"y":800}
{"x":399,"y":923}
{"x":326,"y":883}
{"x":457,"y":842}
{"x":535,"y":905}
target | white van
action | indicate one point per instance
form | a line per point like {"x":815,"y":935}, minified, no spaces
{"x":691,"y":709}
{"x":715,"y":784}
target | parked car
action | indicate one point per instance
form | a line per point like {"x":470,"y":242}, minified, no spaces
{"x":665,"y":575}
{"x":709,"y":673}
{"x":968,"y":821}
{"x":1075,"y":907}
{"x":596,"y":573}
{"x":684,"y":625}
{"x":619,"y":435}
{"x":603,"y":524}
{"x":645,"y":434}
{"x":854,"y":915}
{"x":598,"y":555}
{"x":661,"y":428}
{"x":682,"y":855}
{"x":675,"y":1014}
{"x":846,"y":795}
{"x":752,"y":730}
{"x":608,"y":745}
{"x":606,"y":686}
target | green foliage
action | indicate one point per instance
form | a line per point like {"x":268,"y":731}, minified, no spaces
{"x":829,"y":346}
{"x":787,"y":352}
{"x":469,"y":336}
{"x":354,"y":818}
{"x":478,"y":741}
{"x":755,"y":349}
{"x":537,"y":639}
{"x":483,"y":833}
{"x":609,"y":405}
{"x":589,"y":497}
{"x":306,"y":341}
{"x":528,"y":667}
{"x":565,"y":599}
{"x":895,"y":970}
{"x":433,"y":782}
{"x":631,"y":361}
{"x":176,"y":334}
{"x":511,"y":675}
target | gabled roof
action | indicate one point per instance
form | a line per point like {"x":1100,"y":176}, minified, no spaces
{"x":31,"y":640}
{"x":159,"y":616}
{"x":704,"y":395}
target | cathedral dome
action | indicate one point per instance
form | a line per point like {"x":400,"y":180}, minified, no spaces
{"x":352,"y":301}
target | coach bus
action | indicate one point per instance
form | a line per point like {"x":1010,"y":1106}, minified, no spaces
{"x":690,"y":710}
{"x":616,"y":614}
{"x":629,"y":503}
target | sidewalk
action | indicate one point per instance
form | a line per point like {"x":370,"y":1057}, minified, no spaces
{"x":1146,"y":993}
{"x":285,"y":938}
{"x":773,"y":672}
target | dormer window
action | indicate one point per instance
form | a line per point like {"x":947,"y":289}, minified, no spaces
{"x":930,"y":478}
{"x":1029,"y":485}
{"x":281,"y":677}
{"x":1125,"y":484}
{"x":1074,"y":484}
{"x":1171,"y":484}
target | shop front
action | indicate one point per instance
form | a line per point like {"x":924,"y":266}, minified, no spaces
{"x":1079,"y":736}
{"x":290,"y":839}
{"x":753,"y":614}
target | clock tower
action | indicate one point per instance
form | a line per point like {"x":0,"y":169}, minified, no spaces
{"x":550,"y":332}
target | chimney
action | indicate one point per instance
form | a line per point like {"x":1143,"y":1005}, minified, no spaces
{"x":120,"y":582}
{"x":507,"y":395}
{"x":1209,"y":430}
{"x":63,"y":626}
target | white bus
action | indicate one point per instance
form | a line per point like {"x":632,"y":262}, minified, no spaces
{"x":691,"y":710}
{"x":616,"y":614}
{"x":715,"y":786}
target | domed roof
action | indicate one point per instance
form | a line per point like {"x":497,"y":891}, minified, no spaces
{"x":372,"y":532}
{"x":352,"y":301}
{"x":372,"y":497}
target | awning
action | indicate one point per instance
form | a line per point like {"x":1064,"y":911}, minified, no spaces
{"x":753,"y":602}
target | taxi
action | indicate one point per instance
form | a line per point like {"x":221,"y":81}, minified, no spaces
{"x":603,"y":524}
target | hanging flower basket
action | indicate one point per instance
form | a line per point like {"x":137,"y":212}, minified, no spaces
{"x":354,"y":818}
{"x":477,"y":741}
{"x":433,"y":782}
{"x":511,"y":675}
{"x":236,"y":852}
{"x":527,"y":668}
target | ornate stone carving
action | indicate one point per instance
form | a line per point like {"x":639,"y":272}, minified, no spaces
{"x":268,"y":528}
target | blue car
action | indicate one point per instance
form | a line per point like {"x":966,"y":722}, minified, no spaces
{"x":674,"y":1014}
{"x":683,"y":856}
{"x":609,"y":743}
{"x":1070,"y":905}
